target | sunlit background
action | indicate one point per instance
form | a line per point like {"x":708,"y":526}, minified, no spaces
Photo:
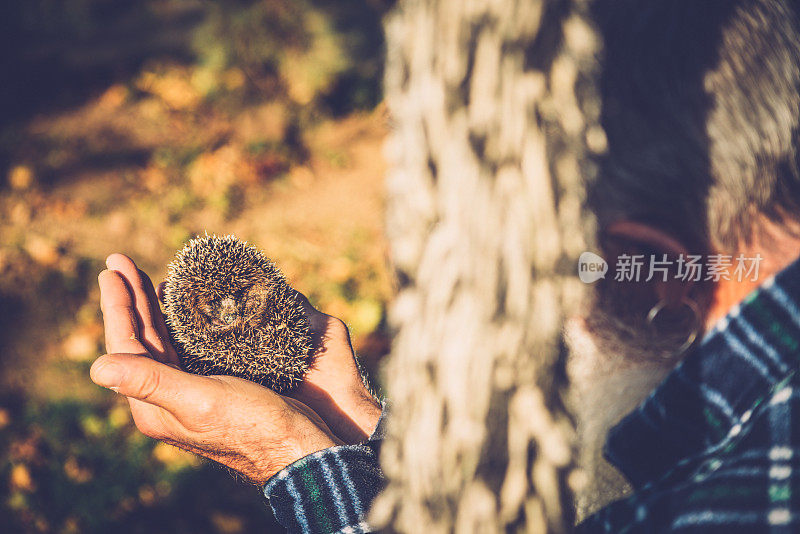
{"x":132,"y":126}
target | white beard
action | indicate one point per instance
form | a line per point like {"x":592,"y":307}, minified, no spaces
{"x":609,"y":378}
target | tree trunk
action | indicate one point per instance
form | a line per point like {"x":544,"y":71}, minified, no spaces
{"x":495,"y":113}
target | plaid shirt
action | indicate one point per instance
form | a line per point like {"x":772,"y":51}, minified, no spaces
{"x":715,"y":448}
{"x":329,"y":491}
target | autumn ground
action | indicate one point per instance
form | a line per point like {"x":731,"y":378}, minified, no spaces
{"x":321,"y":221}
{"x":139,"y":165}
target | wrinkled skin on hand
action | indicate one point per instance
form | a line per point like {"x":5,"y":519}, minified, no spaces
{"x":238,"y":423}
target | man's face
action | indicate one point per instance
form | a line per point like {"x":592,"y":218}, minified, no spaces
{"x":613,"y":366}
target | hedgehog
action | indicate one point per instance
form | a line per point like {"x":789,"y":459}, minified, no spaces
{"x":230,"y":311}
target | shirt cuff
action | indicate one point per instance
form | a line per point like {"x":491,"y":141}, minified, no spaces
{"x":329,"y":491}
{"x":380,"y":429}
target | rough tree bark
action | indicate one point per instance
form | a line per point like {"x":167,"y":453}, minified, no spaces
{"x":495,"y":116}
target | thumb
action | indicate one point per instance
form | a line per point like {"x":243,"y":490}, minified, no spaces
{"x":143,"y":378}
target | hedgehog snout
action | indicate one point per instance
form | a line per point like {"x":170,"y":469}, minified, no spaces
{"x":228,"y":311}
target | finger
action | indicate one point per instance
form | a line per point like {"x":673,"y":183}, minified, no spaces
{"x":156,"y":422}
{"x":160,"y":292}
{"x":158,"y":319}
{"x":303,"y":301}
{"x":316,"y":319}
{"x":147,"y":380}
{"x":150,"y":335}
{"x":119,"y":317}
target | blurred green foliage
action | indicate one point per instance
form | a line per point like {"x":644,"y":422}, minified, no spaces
{"x":327,"y":52}
{"x":74,"y":467}
{"x":290,"y":42}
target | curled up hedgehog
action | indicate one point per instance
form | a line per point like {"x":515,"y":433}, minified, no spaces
{"x":230,"y":311}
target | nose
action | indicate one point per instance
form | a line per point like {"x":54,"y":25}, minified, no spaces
{"x":228,"y":312}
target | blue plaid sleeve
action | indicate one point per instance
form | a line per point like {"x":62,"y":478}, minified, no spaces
{"x":380,"y":429}
{"x":329,"y":491}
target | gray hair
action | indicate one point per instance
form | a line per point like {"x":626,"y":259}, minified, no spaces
{"x":701,"y":106}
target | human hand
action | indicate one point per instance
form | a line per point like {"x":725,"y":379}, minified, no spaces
{"x":333,"y":387}
{"x":235,"y":422}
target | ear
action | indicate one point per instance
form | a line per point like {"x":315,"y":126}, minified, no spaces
{"x":255,"y":300}
{"x":632,"y":238}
